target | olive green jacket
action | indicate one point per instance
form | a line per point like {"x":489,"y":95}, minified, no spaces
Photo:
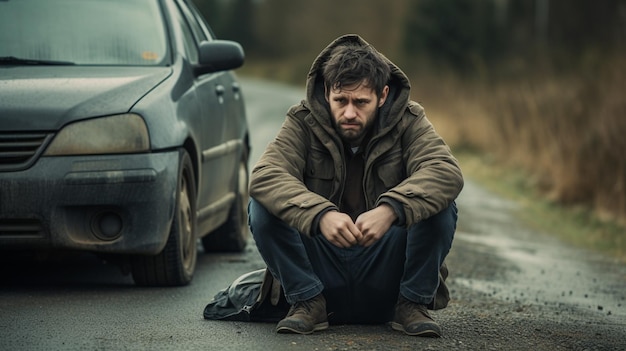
{"x":301,"y":174}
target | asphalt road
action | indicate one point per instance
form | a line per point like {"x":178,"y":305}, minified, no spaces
{"x":512,"y":287}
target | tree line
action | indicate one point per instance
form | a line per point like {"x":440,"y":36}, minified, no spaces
{"x":464,"y":35}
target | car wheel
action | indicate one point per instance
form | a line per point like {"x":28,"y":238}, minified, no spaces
{"x":232,"y":236}
{"x":175,"y":265}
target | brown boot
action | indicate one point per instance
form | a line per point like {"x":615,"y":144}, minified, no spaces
{"x":305,"y":317}
{"x":413,"y":319}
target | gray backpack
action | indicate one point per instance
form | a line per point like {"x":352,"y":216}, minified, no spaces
{"x":253,"y":297}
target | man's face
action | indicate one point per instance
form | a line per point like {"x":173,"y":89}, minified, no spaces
{"x":354,"y":109}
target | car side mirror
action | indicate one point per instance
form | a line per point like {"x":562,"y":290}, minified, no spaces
{"x":218,"y":55}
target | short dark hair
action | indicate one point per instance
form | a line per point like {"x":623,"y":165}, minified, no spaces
{"x":352,"y":64}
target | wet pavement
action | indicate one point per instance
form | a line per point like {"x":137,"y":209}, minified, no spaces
{"x":519,"y":289}
{"x":539,"y":269}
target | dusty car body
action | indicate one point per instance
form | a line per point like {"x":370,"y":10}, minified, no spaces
{"x":122,"y":132}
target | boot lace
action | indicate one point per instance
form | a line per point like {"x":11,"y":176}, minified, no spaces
{"x":302,"y":307}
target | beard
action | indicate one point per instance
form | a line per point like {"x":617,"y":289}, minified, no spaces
{"x":352,"y":133}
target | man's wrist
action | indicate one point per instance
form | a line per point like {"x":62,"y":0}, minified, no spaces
{"x":396,"y":207}
{"x":316,"y":221}
{"x":391,"y":212}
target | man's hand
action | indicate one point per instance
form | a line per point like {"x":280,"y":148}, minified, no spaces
{"x":338,"y":228}
{"x":374,"y":223}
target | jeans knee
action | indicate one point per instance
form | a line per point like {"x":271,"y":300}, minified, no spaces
{"x":447,"y":218}
{"x":258,"y":217}
{"x":440,"y":227}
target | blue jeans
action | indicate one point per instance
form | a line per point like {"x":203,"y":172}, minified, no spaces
{"x":360,"y":284}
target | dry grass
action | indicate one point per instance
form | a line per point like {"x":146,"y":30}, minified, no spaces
{"x":568,"y":134}
{"x":560,"y":141}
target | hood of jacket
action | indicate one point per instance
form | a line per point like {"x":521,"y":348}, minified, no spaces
{"x":389,"y":114}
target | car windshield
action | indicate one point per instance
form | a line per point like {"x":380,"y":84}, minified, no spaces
{"x":82,"y":32}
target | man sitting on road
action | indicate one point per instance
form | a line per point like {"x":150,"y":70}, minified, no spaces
{"x":352,"y":205}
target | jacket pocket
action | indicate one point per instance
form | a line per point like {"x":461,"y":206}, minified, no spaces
{"x":391,"y":170}
{"x":319,"y":172}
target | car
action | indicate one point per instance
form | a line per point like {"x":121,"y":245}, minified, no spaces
{"x":123,"y":133}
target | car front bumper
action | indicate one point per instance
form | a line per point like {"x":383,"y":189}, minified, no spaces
{"x":106,"y":204}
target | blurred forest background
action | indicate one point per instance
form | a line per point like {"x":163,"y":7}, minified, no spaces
{"x":533,"y":86}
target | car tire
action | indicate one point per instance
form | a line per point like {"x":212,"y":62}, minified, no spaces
{"x":176,"y":263}
{"x":232,"y":235}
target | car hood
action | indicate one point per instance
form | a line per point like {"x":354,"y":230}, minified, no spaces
{"x":46,"y":98}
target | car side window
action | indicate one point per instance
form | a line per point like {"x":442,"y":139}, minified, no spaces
{"x":197,"y":31}
{"x":191,"y":47}
{"x":202,"y":23}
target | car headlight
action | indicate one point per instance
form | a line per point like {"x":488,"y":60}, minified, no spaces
{"x":117,"y":134}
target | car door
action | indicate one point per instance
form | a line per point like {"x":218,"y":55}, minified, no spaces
{"x":235,"y":125}
{"x":208,"y":124}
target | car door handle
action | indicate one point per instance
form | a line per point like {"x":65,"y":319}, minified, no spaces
{"x":236,"y":89}
{"x":219,"y":90}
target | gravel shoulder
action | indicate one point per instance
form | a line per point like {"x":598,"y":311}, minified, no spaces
{"x":515,"y":288}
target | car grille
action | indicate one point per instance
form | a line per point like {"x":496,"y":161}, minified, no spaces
{"x":21,"y":228}
{"x":20,"y":150}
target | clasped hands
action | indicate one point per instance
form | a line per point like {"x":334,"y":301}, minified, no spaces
{"x":369,"y":227}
